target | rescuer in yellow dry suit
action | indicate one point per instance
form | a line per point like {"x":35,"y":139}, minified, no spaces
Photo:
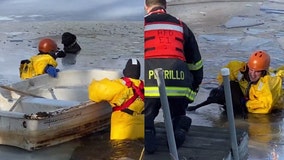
{"x":254,"y":88}
{"x":43,"y":62}
{"x":126,"y":96}
{"x":261,"y":90}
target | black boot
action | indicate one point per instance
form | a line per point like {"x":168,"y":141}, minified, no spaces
{"x":181,"y":126}
{"x":150,"y":141}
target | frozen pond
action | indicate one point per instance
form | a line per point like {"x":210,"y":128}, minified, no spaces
{"x":37,"y":10}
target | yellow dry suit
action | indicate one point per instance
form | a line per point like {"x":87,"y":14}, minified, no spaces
{"x":36,"y":65}
{"x":263,"y":96}
{"x":126,"y":96}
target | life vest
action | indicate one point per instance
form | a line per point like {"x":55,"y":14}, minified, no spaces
{"x":35,"y":65}
{"x":137,"y":92}
{"x":163,"y":39}
{"x":26,"y":69}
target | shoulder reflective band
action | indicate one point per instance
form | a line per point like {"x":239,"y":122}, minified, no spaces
{"x":174,"y":27}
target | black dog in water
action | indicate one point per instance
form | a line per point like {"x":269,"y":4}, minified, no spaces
{"x":217,"y":95}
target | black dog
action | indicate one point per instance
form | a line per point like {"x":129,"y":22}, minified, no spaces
{"x":217,"y":95}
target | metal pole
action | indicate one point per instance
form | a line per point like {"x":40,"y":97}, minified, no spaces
{"x":233,"y":136}
{"x":166,"y":113}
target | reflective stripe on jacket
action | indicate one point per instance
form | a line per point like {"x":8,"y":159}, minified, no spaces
{"x":178,"y":79}
{"x":171,"y":92}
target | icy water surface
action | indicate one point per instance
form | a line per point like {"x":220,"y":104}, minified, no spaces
{"x":102,"y":148}
{"x":94,"y":147}
{"x":37,"y":10}
{"x":265,"y":132}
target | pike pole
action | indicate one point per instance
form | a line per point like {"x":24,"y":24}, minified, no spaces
{"x":230,"y":113}
{"x":166,"y":113}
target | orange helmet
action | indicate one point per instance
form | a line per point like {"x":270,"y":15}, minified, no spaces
{"x":47,"y":46}
{"x":259,"y":60}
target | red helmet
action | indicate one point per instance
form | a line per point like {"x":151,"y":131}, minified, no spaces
{"x":47,"y":45}
{"x":259,"y":60}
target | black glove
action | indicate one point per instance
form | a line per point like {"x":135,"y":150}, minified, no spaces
{"x":60,"y":54}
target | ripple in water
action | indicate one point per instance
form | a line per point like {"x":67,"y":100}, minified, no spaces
{"x":99,"y":147}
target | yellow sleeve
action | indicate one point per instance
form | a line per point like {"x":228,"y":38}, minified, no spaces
{"x":280,"y":68}
{"x":280,"y":73}
{"x":264,"y":95}
{"x":41,"y":61}
{"x":112,"y":91}
{"x":235,"y":67}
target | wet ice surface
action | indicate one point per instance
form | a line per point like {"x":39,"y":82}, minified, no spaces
{"x":256,"y":26}
{"x":98,"y":40}
{"x":37,"y":10}
{"x":243,"y":22}
{"x":19,"y":41}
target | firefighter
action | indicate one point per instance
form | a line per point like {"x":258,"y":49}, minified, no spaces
{"x":170,"y":45}
{"x":260,"y":90}
{"x":43,"y":62}
{"x":255,"y":89}
{"x":126,"y":96}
